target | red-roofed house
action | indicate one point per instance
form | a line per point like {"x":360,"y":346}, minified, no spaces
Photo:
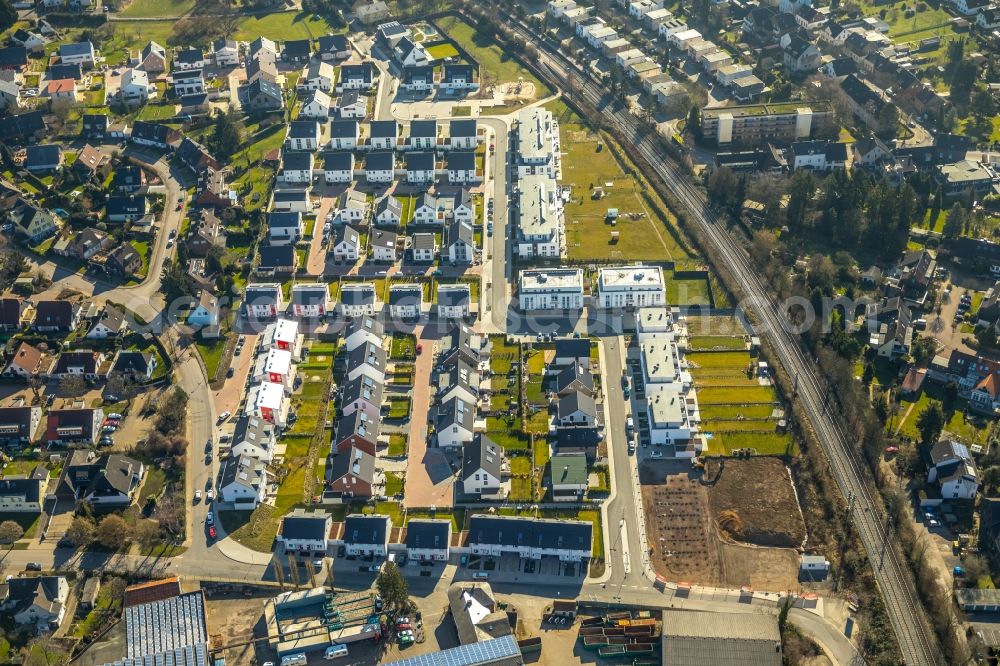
{"x":62,"y":89}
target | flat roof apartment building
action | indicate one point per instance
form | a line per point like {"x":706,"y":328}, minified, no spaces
{"x":537,"y":143}
{"x":759,"y":123}
{"x":631,"y":286}
{"x":540,"y":217}
{"x":551,"y":289}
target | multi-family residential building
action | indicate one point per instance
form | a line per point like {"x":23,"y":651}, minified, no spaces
{"x":539,"y":217}
{"x":631,"y":287}
{"x":755,"y":124}
{"x":551,"y":289}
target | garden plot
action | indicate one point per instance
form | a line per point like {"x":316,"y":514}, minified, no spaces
{"x":737,"y":411}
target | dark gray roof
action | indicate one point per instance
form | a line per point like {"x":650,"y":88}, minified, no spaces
{"x":420,"y":161}
{"x":367,"y":354}
{"x":391,"y":204}
{"x":577,"y":401}
{"x":423,"y":241}
{"x":405,"y":294}
{"x":573,"y":348}
{"x":461,"y":160}
{"x":43,"y":155}
{"x":514,"y":531}
{"x":343,"y":129}
{"x":278,"y":219}
{"x":303,"y":129}
{"x":453,"y":297}
{"x":700,"y":638}
{"x":383,"y":129}
{"x":340,"y":160}
{"x":355,"y":461}
{"x":277,"y":256}
{"x":358,"y":424}
{"x":361,"y":71}
{"x":290,"y":195}
{"x":296,"y":48}
{"x":455,"y":70}
{"x":464,"y":128}
{"x":459,"y":231}
{"x":297,"y":160}
{"x":482,"y":454}
{"x":423,"y":128}
{"x":30,"y":488}
{"x":349,"y":98}
{"x":370,"y":324}
{"x":333,"y":43}
{"x":243,"y":470}
{"x":348,"y":234}
{"x":428,"y":534}
{"x":418,"y":73}
{"x":367,"y":530}
{"x":189,"y":56}
{"x":362,"y":388}
{"x":315,"y":294}
{"x":252,"y":429}
{"x":456,"y":412}
{"x":380,"y":161}
{"x":576,"y":371}
{"x":305,"y":525}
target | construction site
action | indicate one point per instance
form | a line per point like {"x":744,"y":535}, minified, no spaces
{"x":311,"y":620}
{"x":696,"y":517}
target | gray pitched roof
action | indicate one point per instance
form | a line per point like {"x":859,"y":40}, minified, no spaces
{"x":367,"y":530}
{"x":482,"y":454}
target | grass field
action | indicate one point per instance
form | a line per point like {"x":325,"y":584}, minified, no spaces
{"x":714,"y":412}
{"x":397,"y":445}
{"x":731,"y":343}
{"x":588,"y":163}
{"x":154,"y":8}
{"x":765,"y":444}
{"x":282,"y":27}
{"x":971,"y":430}
{"x":442,"y":51}
{"x":737,"y":361}
{"x":495,"y":63}
{"x":210,"y":350}
{"x":736,"y":396}
{"x":688,"y":291}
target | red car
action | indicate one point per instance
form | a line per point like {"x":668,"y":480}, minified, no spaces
{"x":403,"y":625}
{"x":212,"y":532}
{"x":892,"y":449}
{"x":420,"y":348}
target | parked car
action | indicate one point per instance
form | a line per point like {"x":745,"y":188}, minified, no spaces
{"x":209,"y":518}
{"x":33,"y":566}
{"x":212,"y":532}
{"x":223,"y":416}
{"x":197,"y":496}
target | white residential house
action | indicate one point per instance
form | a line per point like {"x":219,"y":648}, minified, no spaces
{"x":303,"y":135}
{"x":243,"y":482}
{"x":39,"y":601}
{"x":380,"y":167}
{"x":338,"y":167}
{"x":482,"y":468}
{"x":135,"y":87}
{"x":455,"y":423}
{"x":346,"y":244}
{"x":253,"y":437}
{"x":383,"y":134}
{"x":460,"y":243}
{"x":316,"y":104}
{"x":551,"y":289}
{"x":296,"y":168}
{"x":420,"y":167}
{"x":367,"y":535}
{"x":285,"y":227}
{"x":352,"y":106}
{"x":317,"y":76}
{"x":424,"y":247}
{"x":406,"y":301}
{"x":428,"y":540}
{"x":454,"y":301}
{"x":188,"y":82}
{"x":352,"y":209}
{"x":954,"y":470}
{"x":226,"y":52}
{"x":344,"y":134}
{"x":461,"y":166}
{"x":384,"y":246}
{"x":311,"y":301}
{"x":303,"y":531}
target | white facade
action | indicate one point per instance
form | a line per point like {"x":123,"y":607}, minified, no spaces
{"x":631,"y":286}
{"x":551,"y":289}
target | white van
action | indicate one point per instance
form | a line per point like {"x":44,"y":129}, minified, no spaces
{"x":481,"y":574}
{"x":294,"y":660}
{"x":335,"y":652}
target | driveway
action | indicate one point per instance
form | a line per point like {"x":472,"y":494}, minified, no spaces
{"x":428,"y":475}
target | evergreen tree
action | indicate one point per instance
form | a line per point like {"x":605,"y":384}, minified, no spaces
{"x":954,"y":224}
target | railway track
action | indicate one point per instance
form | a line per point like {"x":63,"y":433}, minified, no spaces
{"x":894,"y":582}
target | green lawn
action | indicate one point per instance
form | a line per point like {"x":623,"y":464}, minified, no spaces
{"x":500,"y":431}
{"x":737,"y":361}
{"x":399,"y":408}
{"x":210,"y":350}
{"x":282,"y":27}
{"x":710,"y":413}
{"x":144,"y":250}
{"x":442,"y":51}
{"x":397,"y":445}
{"x":688,"y":291}
{"x":589,"y":163}
{"x":157,"y":112}
{"x":403,"y":346}
{"x":765,"y":444}
{"x":971,"y":430}
{"x":736,"y":396}
{"x":393,"y":484}
{"x":155,"y":8}
{"x":495,"y":62}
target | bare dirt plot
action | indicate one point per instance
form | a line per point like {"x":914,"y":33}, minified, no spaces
{"x":681,"y":536}
{"x":752,"y":500}
{"x":685,"y":539}
{"x":237,"y":622}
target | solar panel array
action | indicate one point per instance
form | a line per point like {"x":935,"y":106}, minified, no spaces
{"x":165,"y":626}
{"x":474,"y":654}
{"x":191,"y":655}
